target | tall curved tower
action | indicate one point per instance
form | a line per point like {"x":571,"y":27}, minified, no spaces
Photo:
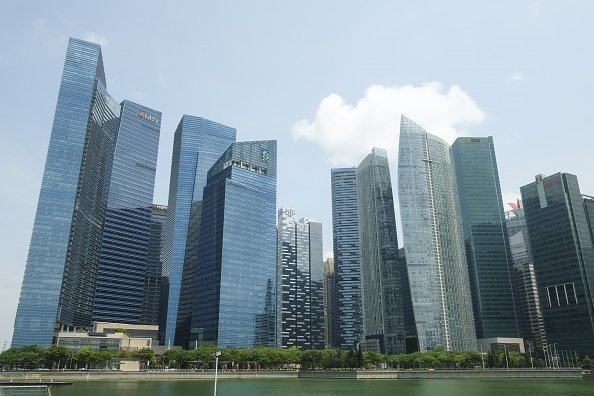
{"x":434,"y":241}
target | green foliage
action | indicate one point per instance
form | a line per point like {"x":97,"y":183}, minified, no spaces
{"x":85,"y":356}
{"x":587,"y":363}
{"x":144,"y":355}
{"x":56,"y":356}
{"x":265,"y":358}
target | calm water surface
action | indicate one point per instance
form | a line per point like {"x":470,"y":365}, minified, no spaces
{"x":315,"y":387}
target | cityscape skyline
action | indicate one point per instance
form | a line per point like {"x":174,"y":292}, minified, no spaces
{"x":30,"y":139}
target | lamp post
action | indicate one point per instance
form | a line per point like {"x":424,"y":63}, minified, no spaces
{"x":216,"y":356}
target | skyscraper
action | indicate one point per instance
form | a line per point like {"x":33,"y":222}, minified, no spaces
{"x":486,"y":240}
{"x":347,"y":260}
{"x":434,"y":241}
{"x":236,"y":266}
{"x":330,"y":329}
{"x":383,"y":316}
{"x":529,"y":310}
{"x":59,"y":282}
{"x":151,"y":302}
{"x":300,"y":308}
{"x":198,"y":144}
{"x":560,"y":241}
{"x":123,"y":260}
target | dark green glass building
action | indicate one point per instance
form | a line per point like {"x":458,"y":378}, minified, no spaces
{"x":560,"y":236}
{"x":485,"y":235}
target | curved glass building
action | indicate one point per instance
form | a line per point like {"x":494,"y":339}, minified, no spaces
{"x":383,"y":316}
{"x":434,"y":241}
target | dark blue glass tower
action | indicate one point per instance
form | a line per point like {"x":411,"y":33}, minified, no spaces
{"x":485,"y":236}
{"x":236,"y":268}
{"x":151,"y":306}
{"x":198,"y":144}
{"x":347,"y":259}
{"x":59,"y":282}
{"x":121,"y":276}
{"x":558,"y":219}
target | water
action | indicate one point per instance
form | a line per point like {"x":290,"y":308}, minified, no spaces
{"x":315,"y":387}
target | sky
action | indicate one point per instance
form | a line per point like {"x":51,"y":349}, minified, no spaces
{"x":327,"y":79}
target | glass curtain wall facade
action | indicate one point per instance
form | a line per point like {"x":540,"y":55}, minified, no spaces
{"x":383,"y":316}
{"x":154,"y":266}
{"x":529,"y":310}
{"x":485,"y":236}
{"x":120,"y":283}
{"x":561,"y":246}
{"x":234,"y":296}
{"x":197,"y":145}
{"x":329,"y":305}
{"x":347,"y":260}
{"x":300,"y":309}
{"x":434,"y":241}
{"x":59,"y":281}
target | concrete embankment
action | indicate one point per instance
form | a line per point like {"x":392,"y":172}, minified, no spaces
{"x":92,"y":375}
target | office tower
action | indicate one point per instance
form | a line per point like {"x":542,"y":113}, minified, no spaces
{"x":330,"y":329}
{"x":411,"y":339}
{"x":383,"y":316}
{"x":198,"y":143}
{"x":434,"y":241}
{"x":154,"y":266}
{"x":59,"y":282}
{"x":120,"y":282}
{"x":559,"y":236}
{"x":529,"y":310}
{"x":236,"y":266}
{"x":347,"y":261}
{"x":485,"y":236}
{"x":299,"y":295}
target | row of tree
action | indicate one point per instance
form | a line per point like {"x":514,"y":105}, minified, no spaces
{"x":58,"y":357}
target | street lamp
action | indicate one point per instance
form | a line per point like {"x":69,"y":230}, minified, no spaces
{"x":216,"y":356}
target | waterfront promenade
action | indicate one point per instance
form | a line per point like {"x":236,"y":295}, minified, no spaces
{"x":94,"y":375}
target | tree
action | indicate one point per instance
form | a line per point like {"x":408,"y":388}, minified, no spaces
{"x":145,"y":355}
{"x":56,"y":355}
{"x":105,"y":355}
{"x":84,"y":356}
{"x":360,"y":360}
{"x":587,"y":363}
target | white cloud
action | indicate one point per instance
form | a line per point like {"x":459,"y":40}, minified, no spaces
{"x":535,"y":8}
{"x":97,"y":38}
{"x":348,"y":133}
{"x":516,"y":76}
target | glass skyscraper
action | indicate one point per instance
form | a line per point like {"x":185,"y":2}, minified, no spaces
{"x":383,"y":316}
{"x":329,"y":304}
{"x":59,"y":282}
{"x":347,"y":260}
{"x":529,"y":310}
{"x":198,"y":144}
{"x":154,"y":266}
{"x":485,"y":233}
{"x":300,"y":305}
{"x":236,"y":267}
{"x":434,"y":241}
{"x":122,"y":266}
{"x":559,"y":231}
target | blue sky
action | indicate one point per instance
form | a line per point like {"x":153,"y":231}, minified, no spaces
{"x":327,"y":79}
